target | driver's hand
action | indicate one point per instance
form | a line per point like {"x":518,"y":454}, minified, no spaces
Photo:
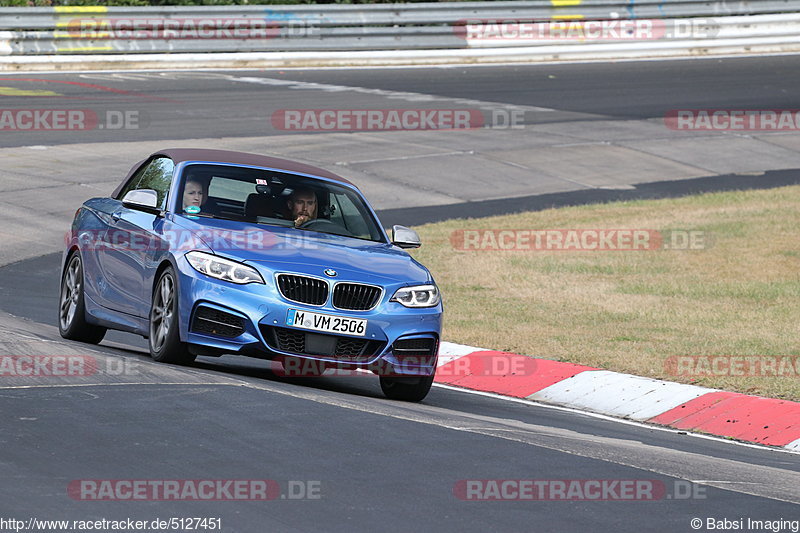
{"x":302,"y":219}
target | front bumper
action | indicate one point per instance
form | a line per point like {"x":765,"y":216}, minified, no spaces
{"x":218,"y":318}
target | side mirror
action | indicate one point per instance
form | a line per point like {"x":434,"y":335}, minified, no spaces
{"x":143,"y":199}
{"x":405,"y":237}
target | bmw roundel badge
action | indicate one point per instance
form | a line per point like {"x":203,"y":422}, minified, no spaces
{"x":330,"y":272}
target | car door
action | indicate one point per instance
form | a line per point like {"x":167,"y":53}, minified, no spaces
{"x":130,"y":241}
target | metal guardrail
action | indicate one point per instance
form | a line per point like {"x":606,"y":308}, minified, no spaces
{"x":420,"y":26}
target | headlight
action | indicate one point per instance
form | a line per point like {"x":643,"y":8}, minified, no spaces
{"x":224,"y":269}
{"x":417,"y":296}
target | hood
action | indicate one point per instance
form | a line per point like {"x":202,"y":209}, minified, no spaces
{"x":288,"y":249}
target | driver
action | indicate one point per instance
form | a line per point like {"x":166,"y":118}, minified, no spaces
{"x":302,"y":206}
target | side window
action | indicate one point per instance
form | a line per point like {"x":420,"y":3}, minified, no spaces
{"x":231,"y":189}
{"x":132,"y":183}
{"x":156,"y":175}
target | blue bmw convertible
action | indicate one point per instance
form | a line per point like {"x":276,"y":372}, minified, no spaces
{"x":210,"y":252}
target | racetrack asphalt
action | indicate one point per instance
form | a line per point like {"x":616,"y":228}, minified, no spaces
{"x":380,"y":464}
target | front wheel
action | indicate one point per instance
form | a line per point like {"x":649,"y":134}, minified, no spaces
{"x":165,"y":340}
{"x":72,"y":322}
{"x":407,"y":389}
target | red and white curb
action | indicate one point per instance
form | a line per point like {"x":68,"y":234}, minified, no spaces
{"x":686,"y":407}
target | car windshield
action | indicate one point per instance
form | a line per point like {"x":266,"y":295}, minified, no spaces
{"x":276,"y":198}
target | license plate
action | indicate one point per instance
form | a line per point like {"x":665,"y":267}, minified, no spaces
{"x":326,"y":323}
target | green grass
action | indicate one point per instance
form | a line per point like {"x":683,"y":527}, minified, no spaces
{"x":630,"y":311}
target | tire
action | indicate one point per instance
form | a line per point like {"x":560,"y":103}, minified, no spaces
{"x":165,"y":340}
{"x":406,"y":389}
{"x":72,"y":322}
